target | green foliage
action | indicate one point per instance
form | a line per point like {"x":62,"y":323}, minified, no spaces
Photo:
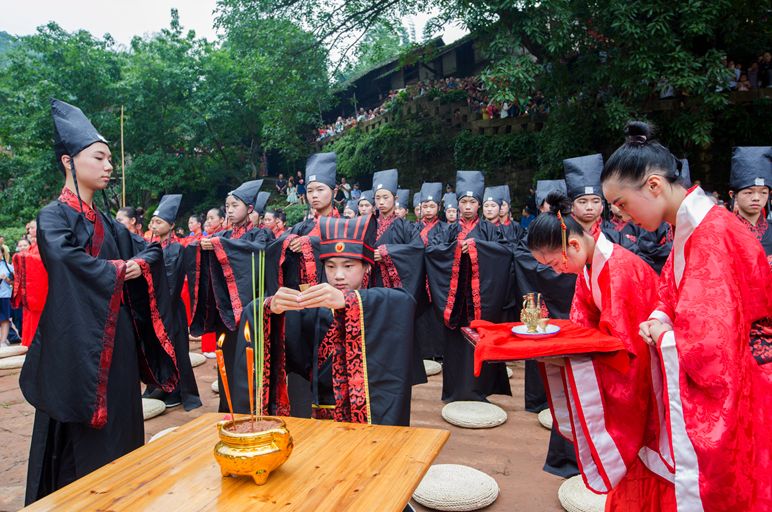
{"x":199,"y":116}
{"x":295,"y":213}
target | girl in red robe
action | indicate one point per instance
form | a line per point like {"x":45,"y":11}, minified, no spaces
{"x":607,"y":411}
{"x":711,"y":331}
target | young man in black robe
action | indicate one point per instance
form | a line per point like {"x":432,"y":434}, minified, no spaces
{"x":293,"y":260}
{"x":366,"y":203}
{"x":750,"y":179}
{"x":417,"y":207}
{"x":493,"y":203}
{"x":342,"y":337}
{"x":558,"y":292}
{"x":162,"y":227}
{"x":450,"y":208}
{"x":220,"y":270}
{"x":464,"y":268}
{"x":430,"y":331}
{"x":104,"y":326}
{"x":399,"y":251}
{"x":401,"y":203}
{"x":584,"y":189}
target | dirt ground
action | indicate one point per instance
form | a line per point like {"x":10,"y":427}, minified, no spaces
{"x":512,"y":453}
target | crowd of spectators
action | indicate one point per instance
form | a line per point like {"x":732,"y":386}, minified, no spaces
{"x":469,"y":89}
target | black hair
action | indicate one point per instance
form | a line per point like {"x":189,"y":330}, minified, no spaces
{"x":199,"y":218}
{"x":545,"y":232}
{"x":219,"y":210}
{"x":639,"y":155}
{"x":278,"y":213}
{"x":134,"y":213}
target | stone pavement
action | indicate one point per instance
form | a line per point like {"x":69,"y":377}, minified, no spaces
{"x":513,"y":453}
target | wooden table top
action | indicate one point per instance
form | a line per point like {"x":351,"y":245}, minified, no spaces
{"x":334,"y":466}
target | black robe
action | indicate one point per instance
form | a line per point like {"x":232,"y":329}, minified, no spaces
{"x":294,"y":347}
{"x":113,"y":332}
{"x":175,"y":275}
{"x":402,"y":265}
{"x":430,"y":330}
{"x":453,"y":281}
{"x":655,"y":246}
{"x":222,"y":284}
{"x":558,"y":293}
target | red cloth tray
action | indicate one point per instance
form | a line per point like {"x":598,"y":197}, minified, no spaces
{"x":495,"y":342}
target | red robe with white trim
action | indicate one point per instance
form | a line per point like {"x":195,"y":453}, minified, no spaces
{"x":715,"y":285}
{"x":610,"y":415}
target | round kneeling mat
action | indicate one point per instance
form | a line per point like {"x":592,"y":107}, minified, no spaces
{"x":162,"y":433}
{"x":216,"y":386}
{"x":10,"y":363}
{"x":432,"y":367}
{"x":12,"y":350}
{"x":456,"y":487}
{"x":576,"y":497}
{"x":474,"y":414}
{"x":196,"y":359}
{"x":545,"y":419}
{"x":152,"y":408}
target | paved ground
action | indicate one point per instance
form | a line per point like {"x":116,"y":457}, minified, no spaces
{"x":513,"y":453}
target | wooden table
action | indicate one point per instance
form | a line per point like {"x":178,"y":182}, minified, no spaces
{"x":334,"y":466}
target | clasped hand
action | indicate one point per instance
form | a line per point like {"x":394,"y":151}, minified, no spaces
{"x":320,"y":296}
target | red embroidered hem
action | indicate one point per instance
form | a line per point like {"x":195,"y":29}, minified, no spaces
{"x":99,"y":418}
{"x":230,"y":280}
{"x":158,"y":325}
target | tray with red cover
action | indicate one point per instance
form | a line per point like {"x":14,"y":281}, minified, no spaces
{"x":496,"y":343}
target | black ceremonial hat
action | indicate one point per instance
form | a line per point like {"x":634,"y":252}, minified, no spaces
{"x":352,"y":205}
{"x":431,"y":192}
{"x":262,"y":201}
{"x":247,"y":192}
{"x":322,"y":167}
{"x":492,"y":194}
{"x":583,"y":175}
{"x":449,"y":200}
{"x":367,"y":195}
{"x":168,"y":207}
{"x":686,"y":174}
{"x":387,"y":179}
{"x":545,"y":187}
{"x":751,"y":166}
{"x":416,"y":199}
{"x":470,"y":184}
{"x":348,"y":238}
{"x":403,"y":198}
{"x":73,"y":132}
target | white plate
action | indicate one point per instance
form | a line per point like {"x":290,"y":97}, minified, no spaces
{"x":522,"y":331}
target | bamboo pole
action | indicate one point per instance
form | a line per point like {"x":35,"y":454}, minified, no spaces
{"x":123,"y":167}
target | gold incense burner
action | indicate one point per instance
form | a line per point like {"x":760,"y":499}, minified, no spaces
{"x":253,"y":454}
{"x":533,"y":314}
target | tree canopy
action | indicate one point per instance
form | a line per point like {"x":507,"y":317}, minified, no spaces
{"x":200,"y":116}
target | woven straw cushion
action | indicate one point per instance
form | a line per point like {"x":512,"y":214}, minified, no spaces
{"x":216,"y":387}
{"x":575,"y":497}
{"x":162,"y":433}
{"x":9,"y":363}
{"x":455,"y":487}
{"x":474,"y":414}
{"x":196,"y":359}
{"x":13,"y":350}
{"x":545,"y":418}
{"x":510,"y":373}
{"x":432,"y":367}
{"x":152,"y":408}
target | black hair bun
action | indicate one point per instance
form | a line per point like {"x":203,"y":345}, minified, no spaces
{"x":558,"y":202}
{"x":638,"y":132}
